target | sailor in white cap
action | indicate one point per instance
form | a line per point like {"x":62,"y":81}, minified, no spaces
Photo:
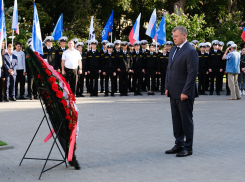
{"x":88,"y":45}
{"x":203,"y":69}
{"x":169,"y":45}
{"x":102,"y":53}
{"x":144,"y":45}
{"x":130,"y":76}
{"x":124,"y":61}
{"x":208,"y":47}
{"x":117,"y":46}
{"x":216,"y":66}
{"x":49,"y":52}
{"x":109,"y":68}
{"x":138,"y":68}
{"x":93,"y":67}
{"x":62,"y":43}
{"x":80,"y":83}
{"x":221,"y":45}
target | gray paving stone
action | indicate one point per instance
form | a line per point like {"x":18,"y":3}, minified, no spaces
{"x":124,"y":139}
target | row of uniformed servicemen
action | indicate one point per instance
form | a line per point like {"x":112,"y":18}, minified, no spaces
{"x":143,"y":65}
{"x":146,"y":67}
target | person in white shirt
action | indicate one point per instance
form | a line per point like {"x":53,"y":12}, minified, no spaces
{"x":71,"y":59}
{"x":21,"y":70}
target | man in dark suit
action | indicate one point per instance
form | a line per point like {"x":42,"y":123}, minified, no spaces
{"x":181,"y":88}
{"x":10,"y":63}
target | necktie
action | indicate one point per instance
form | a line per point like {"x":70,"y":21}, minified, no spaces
{"x":177,"y":49}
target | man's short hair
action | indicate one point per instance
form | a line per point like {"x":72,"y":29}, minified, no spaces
{"x":181,"y":29}
{"x":9,"y":45}
{"x":18,"y":43}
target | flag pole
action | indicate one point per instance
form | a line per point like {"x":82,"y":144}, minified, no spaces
{"x":111,"y":37}
{"x":12,"y":37}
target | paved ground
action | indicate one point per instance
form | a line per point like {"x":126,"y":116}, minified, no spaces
{"x":124,"y":139}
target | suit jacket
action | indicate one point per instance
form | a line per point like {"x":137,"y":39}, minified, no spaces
{"x":182,"y":72}
{"x":8,"y":65}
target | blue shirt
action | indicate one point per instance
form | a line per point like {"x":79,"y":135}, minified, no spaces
{"x":233,"y":62}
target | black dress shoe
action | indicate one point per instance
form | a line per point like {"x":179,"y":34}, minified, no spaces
{"x":75,"y":164}
{"x":218,"y":93}
{"x":204,"y":93}
{"x":139,"y":93}
{"x":152,"y":93}
{"x":35,"y":97}
{"x":211,"y":93}
{"x":121,"y":94}
{"x":228,"y":93}
{"x":81,"y":95}
{"x":184,"y":153}
{"x":6,"y":100}
{"x":106,"y":94}
{"x":101,"y":91}
{"x":112,"y":94}
{"x":174,"y":150}
{"x":125,"y":94}
{"x":22,"y":97}
{"x":13,"y":99}
{"x":148,"y":93}
{"x":135,"y":94}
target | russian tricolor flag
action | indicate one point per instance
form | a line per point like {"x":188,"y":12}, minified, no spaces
{"x":152,"y":26}
{"x":243,"y":35}
{"x":135,"y":32}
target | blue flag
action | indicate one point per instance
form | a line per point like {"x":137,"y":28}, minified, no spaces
{"x":108,"y":27}
{"x":2,"y":23}
{"x":161,"y":32}
{"x":57,"y":33}
{"x":36,"y":44}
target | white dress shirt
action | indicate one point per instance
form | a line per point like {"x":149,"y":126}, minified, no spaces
{"x":21,"y":60}
{"x":71,"y":58}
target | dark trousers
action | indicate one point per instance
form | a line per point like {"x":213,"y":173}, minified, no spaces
{"x":115,"y":82}
{"x":80,"y":83}
{"x":10,"y":86}
{"x":144,"y":82}
{"x":130,"y":76}
{"x":109,"y":75}
{"x":228,"y":91}
{"x":207,"y":81}
{"x":150,"y":76}
{"x":163,"y":77}
{"x":1,"y":89}
{"x":123,"y":82}
{"x":94,"y":75}
{"x":183,"y":126}
{"x":30,"y":82}
{"x":202,"y":78}
{"x":71,"y":78}
{"x":221,"y":80}
{"x":157,"y":82}
{"x":20,"y":78}
{"x":215,"y":74}
{"x":137,"y":80}
{"x":88,"y":82}
{"x":102,"y":81}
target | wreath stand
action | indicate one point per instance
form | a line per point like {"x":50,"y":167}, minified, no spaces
{"x":63,"y":160}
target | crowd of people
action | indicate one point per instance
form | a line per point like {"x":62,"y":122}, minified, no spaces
{"x":124,"y":66}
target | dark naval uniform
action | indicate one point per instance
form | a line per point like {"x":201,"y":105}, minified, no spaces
{"x":109,"y":66}
{"x":102,"y":52}
{"x":144,"y":75}
{"x":124,"y":63}
{"x":137,"y":66}
{"x":162,"y":67}
{"x":202,"y":72}
{"x":94,"y":65}
{"x":59,"y":53}
{"x":50,"y":55}
{"x":80,"y":83}
{"x":215,"y":63}
{"x":151,"y":63}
